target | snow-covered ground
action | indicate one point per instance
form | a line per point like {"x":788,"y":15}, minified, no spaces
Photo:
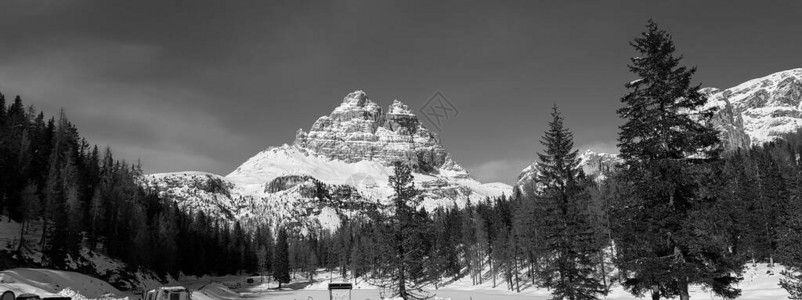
{"x":104,"y":267}
{"x":760,"y":282}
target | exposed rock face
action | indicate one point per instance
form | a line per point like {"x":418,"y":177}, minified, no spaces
{"x":284,"y":183}
{"x":760,"y":110}
{"x":598,"y":166}
{"x":359,"y":129}
{"x":727,"y":120}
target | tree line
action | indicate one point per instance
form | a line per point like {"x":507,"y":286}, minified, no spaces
{"x":73,"y":199}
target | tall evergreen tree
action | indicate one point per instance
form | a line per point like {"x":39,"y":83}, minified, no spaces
{"x":281,"y":258}
{"x":670,"y":153}
{"x":402,"y":241}
{"x":564,"y":225}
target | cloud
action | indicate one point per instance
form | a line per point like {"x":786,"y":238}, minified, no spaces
{"x":601,"y":146}
{"x":502,"y":170}
{"x":137,"y":119}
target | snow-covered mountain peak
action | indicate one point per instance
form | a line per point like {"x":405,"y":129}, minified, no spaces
{"x":399,"y":108}
{"x":356,"y":98}
{"x":358,"y":129}
{"x":347,"y":153}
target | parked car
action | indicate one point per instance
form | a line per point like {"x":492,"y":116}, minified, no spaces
{"x":168,"y":293}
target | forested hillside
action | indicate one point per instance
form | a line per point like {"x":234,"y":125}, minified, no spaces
{"x":70,"y":196}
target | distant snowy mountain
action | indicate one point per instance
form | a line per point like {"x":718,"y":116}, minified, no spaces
{"x":752,"y":113}
{"x":597,"y":166}
{"x":348,"y":154}
{"x":759,"y":110}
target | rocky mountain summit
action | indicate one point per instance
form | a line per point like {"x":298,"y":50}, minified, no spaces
{"x":340,"y":166}
{"x":359,"y":129}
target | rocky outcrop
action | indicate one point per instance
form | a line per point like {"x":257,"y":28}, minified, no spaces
{"x":598,"y":166}
{"x":358,"y":129}
{"x":284,"y":183}
{"x":758,"y":111}
{"x":727,"y":120}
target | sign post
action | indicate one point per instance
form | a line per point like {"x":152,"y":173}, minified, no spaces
{"x":339,"y":287}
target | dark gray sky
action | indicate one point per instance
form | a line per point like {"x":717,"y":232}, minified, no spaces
{"x":196,"y":85}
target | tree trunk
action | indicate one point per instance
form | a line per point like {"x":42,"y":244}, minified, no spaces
{"x":655,"y":293}
{"x":683,"y":290}
{"x":21,"y":238}
{"x":402,"y":287}
{"x":44,"y":231}
{"x":517,"y":282}
{"x":481,"y":259}
{"x":532,"y":262}
{"x":492,"y":272}
{"x":603,"y":272}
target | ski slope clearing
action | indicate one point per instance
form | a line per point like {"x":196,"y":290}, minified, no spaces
{"x":45,"y":283}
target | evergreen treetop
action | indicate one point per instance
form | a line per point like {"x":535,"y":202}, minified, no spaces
{"x":663,"y":114}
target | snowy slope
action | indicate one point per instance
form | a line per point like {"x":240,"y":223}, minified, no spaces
{"x":88,"y":262}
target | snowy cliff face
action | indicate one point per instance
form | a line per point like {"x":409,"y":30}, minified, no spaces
{"x":760,"y":110}
{"x":358,"y":130}
{"x":348,"y":154}
{"x":727,"y":120}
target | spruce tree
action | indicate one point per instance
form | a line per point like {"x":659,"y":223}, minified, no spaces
{"x":663,"y":243}
{"x":402,"y":238}
{"x":281,"y":258}
{"x":564,"y":224}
